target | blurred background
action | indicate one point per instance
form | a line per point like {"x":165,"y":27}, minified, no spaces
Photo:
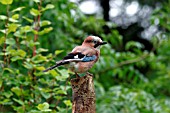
{"x":132,"y":75}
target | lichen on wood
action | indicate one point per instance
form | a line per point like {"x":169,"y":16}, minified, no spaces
{"x":83,"y":94}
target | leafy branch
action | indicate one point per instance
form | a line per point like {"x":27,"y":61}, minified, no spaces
{"x":126,"y":63}
{"x":37,"y":26}
{"x":6,"y":34}
{"x":144,"y":56}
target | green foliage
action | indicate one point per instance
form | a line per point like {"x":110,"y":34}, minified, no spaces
{"x":124,"y":100}
{"x":44,"y":107}
{"x":6,"y":2}
{"x":23,"y":85}
{"x":127,"y":79}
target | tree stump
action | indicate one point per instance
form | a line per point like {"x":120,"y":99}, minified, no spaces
{"x":83,"y":94}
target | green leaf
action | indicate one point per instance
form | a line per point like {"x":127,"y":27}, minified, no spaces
{"x":28,"y":19}
{"x":15,"y":58}
{"x":28,"y":65}
{"x":132,"y":44}
{"x":18,"y":34}
{"x":53,"y":73}
{"x":2,"y":39}
{"x":49,"y":6}
{"x":64,"y":73}
{"x":57,"y":52}
{"x":45,"y":95}
{"x":40,"y":68}
{"x":43,"y":107}
{"x":67,"y":103}
{"x":45,"y":23}
{"x":45,"y":30}
{"x":40,"y":73}
{"x":34,"y":12}
{"x":8,"y":94}
{"x":3,"y":17}
{"x":11,"y":51}
{"x":12,"y":27}
{"x":26,"y":29}
{"x":18,"y":101}
{"x":35,"y":32}
{"x":61,"y":92}
{"x":9,"y":70}
{"x":18,"y":9}
{"x":10,"y":41}
{"x":6,"y":2}
{"x":21,"y":53}
{"x":39,"y":59}
{"x":3,"y":31}
{"x":17,"y":91}
{"x":13,"y":20}
{"x":31,"y":43}
{"x":1,"y":82}
{"x":6,"y":102}
{"x":42,"y":50}
{"x":15,"y":16}
{"x":37,"y":1}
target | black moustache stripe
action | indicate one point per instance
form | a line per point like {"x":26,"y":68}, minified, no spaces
{"x":96,"y":45}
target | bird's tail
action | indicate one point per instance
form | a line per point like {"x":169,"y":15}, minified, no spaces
{"x":56,"y":65}
{"x":62,"y":62}
{"x":50,"y":68}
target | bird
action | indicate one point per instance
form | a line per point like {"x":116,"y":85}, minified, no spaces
{"x":82,"y":57}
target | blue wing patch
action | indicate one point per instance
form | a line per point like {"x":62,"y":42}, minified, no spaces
{"x":89,"y":58}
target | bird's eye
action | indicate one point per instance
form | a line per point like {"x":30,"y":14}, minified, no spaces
{"x":95,"y":41}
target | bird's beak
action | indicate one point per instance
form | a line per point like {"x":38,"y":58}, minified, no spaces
{"x":103,"y":43}
{"x":100,"y":43}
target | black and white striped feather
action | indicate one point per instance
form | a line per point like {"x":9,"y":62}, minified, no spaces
{"x":72,"y":57}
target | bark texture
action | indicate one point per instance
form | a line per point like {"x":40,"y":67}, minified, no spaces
{"x":83,"y":95}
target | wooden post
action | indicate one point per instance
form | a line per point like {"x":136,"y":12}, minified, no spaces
{"x":83,"y":94}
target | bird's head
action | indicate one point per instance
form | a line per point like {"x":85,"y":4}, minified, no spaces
{"x":93,"y":41}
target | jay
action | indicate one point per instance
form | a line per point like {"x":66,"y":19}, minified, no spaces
{"x":83,"y":57}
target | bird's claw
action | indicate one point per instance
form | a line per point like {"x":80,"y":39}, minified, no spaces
{"x":77,"y":76}
{"x":89,"y":74}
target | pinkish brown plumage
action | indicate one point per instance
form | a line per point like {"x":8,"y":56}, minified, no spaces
{"x":83,"y":57}
{"x":81,"y":67}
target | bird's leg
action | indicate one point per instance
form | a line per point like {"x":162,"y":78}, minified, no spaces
{"x":89,"y":74}
{"x":77,"y":76}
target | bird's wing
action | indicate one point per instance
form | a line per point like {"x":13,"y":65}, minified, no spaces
{"x":78,"y":57}
{"x":81,"y":54}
